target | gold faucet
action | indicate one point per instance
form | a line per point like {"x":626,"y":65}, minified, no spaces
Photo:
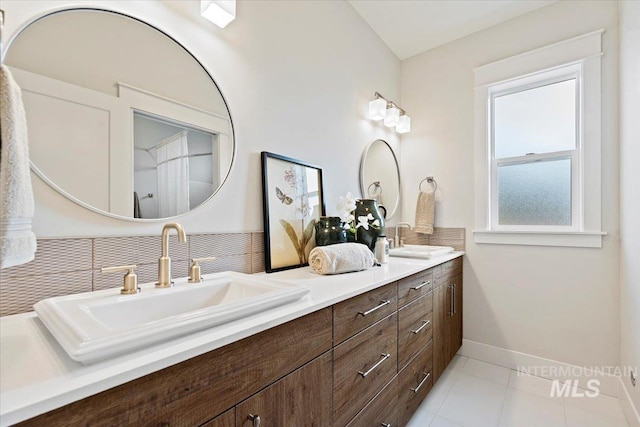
{"x":164,"y":263}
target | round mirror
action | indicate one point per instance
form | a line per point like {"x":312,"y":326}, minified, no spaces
{"x":380,"y":176}
{"x":121,"y":118}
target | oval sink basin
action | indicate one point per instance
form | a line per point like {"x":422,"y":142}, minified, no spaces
{"x":96,"y":325}
{"x":420,"y":251}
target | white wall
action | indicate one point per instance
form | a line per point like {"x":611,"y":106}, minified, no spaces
{"x":629,"y":190}
{"x":297,"y":77}
{"x":557,"y":303}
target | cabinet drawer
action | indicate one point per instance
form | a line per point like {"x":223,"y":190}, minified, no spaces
{"x":414,"y":382}
{"x":415,"y":328}
{"x":414,"y":286}
{"x":196,"y":390}
{"x":355,"y":314}
{"x":382,"y":410}
{"x":362,"y":365}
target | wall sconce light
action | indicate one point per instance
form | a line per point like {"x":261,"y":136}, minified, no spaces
{"x":392,"y":115}
{"x":220,"y":12}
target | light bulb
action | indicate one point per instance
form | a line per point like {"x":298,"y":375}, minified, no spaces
{"x":392,"y":116}
{"x":404,"y":124}
{"x":220,"y":12}
{"x":377,"y":109}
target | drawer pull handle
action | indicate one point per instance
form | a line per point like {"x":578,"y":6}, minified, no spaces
{"x":377,"y":307}
{"x":426,"y":377}
{"x":452,"y":306}
{"x":421,"y":285}
{"x":424,"y":325}
{"x":255,"y":419}
{"x":385,"y":356}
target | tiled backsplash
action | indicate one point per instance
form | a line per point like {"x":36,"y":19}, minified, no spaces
{"x":67,"y":266}
{"x":453,"y":237}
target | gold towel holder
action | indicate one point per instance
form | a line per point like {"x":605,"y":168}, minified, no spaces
{"x":429,"y":180}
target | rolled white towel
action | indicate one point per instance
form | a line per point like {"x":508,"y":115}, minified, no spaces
{"x":341,"y":258}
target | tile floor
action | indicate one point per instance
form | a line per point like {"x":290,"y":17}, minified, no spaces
{"x":471,"y":393}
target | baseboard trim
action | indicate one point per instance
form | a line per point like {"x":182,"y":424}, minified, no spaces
{"x":630,"y":410}
{"x":511,"y":359}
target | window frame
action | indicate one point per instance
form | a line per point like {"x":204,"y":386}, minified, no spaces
{"x":522,"y":84}
{"x":585,"y":50}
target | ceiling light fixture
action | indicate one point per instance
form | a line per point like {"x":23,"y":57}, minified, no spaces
{"x":220,"y":12}
{"x":383,"y":109}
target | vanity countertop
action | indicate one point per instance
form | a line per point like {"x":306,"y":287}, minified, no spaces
{"x":37,"y":376}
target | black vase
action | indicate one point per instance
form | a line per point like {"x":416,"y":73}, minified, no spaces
{"x":375,"y":226}
{"x":329,"y":231}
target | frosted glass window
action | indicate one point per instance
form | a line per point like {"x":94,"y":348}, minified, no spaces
{"x":536,"y":193}
{"x":537,"y":120}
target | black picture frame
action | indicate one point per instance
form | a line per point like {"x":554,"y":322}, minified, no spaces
{"x":292,"y":202}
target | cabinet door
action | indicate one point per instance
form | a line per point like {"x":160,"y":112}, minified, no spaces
{"x":301,"y":399}
{"x":456,"y":319}
{"x":441,"y":329}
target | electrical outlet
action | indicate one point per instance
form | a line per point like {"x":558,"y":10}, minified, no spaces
{"x":633,"y":378}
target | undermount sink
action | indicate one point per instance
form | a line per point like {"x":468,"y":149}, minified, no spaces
{"x":420,"y":251}
{"x":96,"y":325}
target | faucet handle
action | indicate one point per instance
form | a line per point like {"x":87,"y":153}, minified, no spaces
{"x":194,"y":270}
{"x":130,"y":279}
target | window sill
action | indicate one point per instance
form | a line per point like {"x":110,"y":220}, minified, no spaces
{"x":576,"y":239}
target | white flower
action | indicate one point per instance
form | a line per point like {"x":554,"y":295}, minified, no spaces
{"x":347,"y":220}
{"x":363,"y":221}
{"x":346,"y":204}
{"x":376,"y":223}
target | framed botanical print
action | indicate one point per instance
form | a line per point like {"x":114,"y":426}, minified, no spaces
{"x":293,"y":201}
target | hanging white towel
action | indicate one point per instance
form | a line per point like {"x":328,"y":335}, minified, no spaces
{"x":17,"y":241}
{"x":425,"y":212}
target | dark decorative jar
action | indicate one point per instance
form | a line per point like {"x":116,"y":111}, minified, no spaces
{"x":329,"y":231}
{"x":368,"y":234}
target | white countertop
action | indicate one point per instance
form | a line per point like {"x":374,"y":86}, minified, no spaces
{"x":37,"y":376}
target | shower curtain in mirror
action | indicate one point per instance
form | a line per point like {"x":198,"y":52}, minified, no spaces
{"x":173,"y":175}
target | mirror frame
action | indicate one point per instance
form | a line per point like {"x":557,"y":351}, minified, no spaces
{"x":74,"y":199}
{"x":390,"y":211}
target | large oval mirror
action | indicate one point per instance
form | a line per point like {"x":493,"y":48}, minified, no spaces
{"x":121,"y":118}
{"x":380,"y":176}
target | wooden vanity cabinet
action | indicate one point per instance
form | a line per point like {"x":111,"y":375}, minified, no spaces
{"x":366,"y":361}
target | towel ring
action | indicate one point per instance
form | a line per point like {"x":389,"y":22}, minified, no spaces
{"x":377,"y":189}
{"x":431,"y":181}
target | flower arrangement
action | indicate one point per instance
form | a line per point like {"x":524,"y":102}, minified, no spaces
{"x":346,"y":210}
